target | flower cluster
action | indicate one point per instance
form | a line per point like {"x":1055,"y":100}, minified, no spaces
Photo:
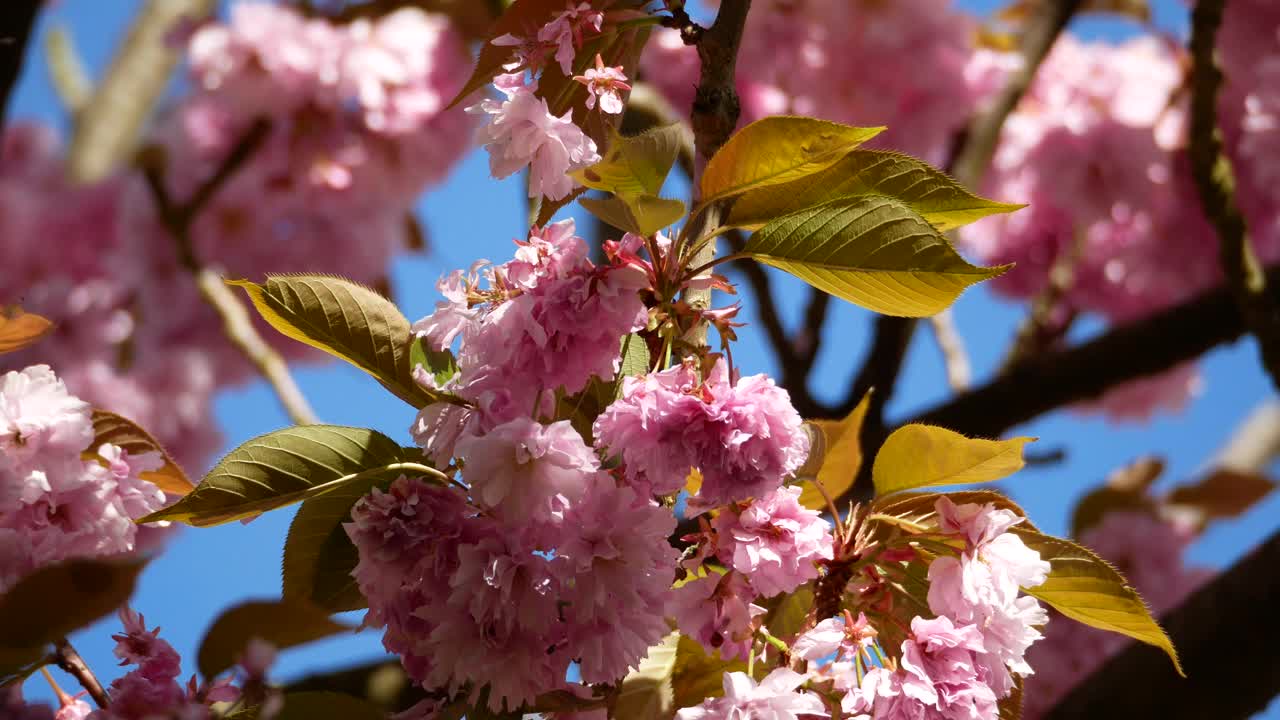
{"x":522,"y":131}
{"x":958,"y":664}
{"x":842,"y":60}
{"x":151,"y":689}
{"x":358,"y":128}
{"x":551,"y":546}
{"x":60,"y":496}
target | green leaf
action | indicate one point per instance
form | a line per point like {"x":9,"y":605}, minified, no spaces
{"x":646,"y":692}
{"x":109,"y":427}
{"x":1086,"y":588}
{"x":56,"y":600}
{"x":318,"y":554}
{"x":872,"y":251}
{"x":842,"y":440}
{"x":635,"y":166}
{"x":916,"y":456}
{"x":697,"y":675}
{"x":282,"y":623}
{"x":440,"y":363}
{"x":635,"y":358}
{"x":776,"y":150}
{"x":281,"y":468}
{"x":941,"y":201}
{"x":327,"y":706}
{"x":19,"y":328}
{"x":787,"y":612}
{"x":344,"y":319}
{"x":641,"y":214}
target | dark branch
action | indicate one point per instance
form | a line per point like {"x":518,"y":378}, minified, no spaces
{"x":1215,"y":183}
{"x":17,"y":19}
{"x":1225,"y":634}
{"x":716,"y":107}
{"x":71,"y":663}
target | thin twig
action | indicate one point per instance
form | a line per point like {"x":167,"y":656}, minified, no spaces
{"x":1040,"y":329}
{"x":1215,"y":183}
{"x":237,"y":324}
{"x":107,"y":130}
{"x":70,"y":661}
{"x":951,"y":345}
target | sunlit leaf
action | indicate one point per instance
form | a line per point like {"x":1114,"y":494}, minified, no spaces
{"x":646,"y":692}
{"x":123,"y":432}
{"x":346,"y":320}
{"x":872,"y":251}
{"x":1086,"y":588}
{"x":53,"y":601}
{"x":638,"y":165}
{"x":776,"y":150}
{"x":439,"y":363}
{"x":19,"y":328}
{"x":916,"y":456}
{"x":934,"y":196}
{"x":842,"y":459}
{"x":1020,"y":11}
{"x":281,"y":468}
{"x":643,"y":215}
{"x":281,"y":623}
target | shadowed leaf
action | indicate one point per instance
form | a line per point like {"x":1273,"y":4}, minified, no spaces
{"x":282,"y":623}
{"x":643,"y":215}
{"x":111,"y":428}
{"x":52,"y":602}
{"x":646,"y":692}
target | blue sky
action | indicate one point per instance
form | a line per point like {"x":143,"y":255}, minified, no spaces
{"x":204,"y":571}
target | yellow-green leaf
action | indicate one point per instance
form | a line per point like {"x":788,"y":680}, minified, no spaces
{"x":697,"y":675}
{"x":19,"y":328}
{"x":1086,"y":588}
{"x":318,"y":554}
{"x":872,"y":251}
{"x":111,"y":428}
{"x":282,"y":623}
{"x":281,"y":468}
{"x":56,"y":600}
{"x":916,"y":456}
{"x":934,"y":196}
{"x":646,"y":692}
{"x":842,"y":458}
{"x":640,"y":214}
{"x":635,"y":166}
{"x":346,"y":320}
{"x":775,"y":150}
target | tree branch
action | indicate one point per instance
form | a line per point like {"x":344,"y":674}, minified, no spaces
{"x":951,"y":345}
{"x":70,"y":661}
{"x":107,"y":130}
{"x":715,"y":114}
{"x":17,"y":18}
{"x":1215,"y":183}
{"x":237,"y":324}
{"x":1225,"y":633}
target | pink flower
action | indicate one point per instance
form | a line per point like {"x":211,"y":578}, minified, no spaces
{"x":622,"y":565}
{"x":73,"y":710}
{"x":834,"y":636}
{"x":775,"y":541}
{"x":154,"y":657}
{"x":980,"y":588}
{"x":776,"y":697}
{"x":522,"y":132}
{"x":745,"y":437}
{"x":39,"y":418}
{"x":525,"y":471}
{"x":605,"y":82}
{"x":717,"y":611}
{"x":565,"y":31}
